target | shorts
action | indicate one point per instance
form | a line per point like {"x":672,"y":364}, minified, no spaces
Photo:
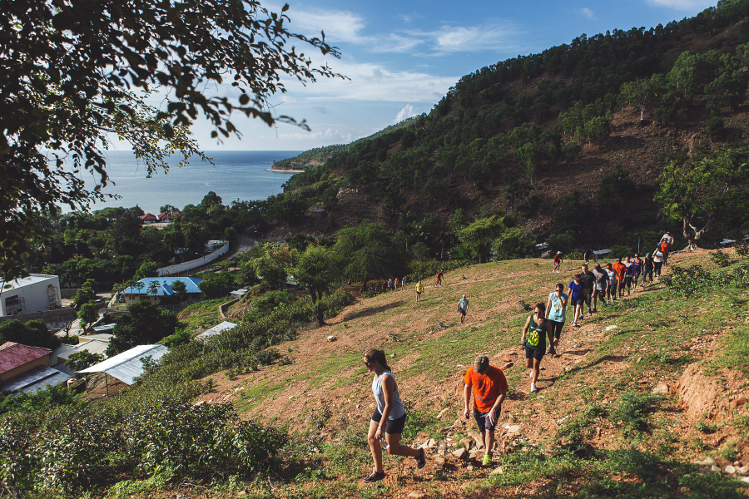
{"x":578,"y":301}
{"x":628,"y":281}
{"x":536,"y":353}
{"x":393,"y":426}
{"x":462,"y":312}
{"x":483,"y":421}
{"x":556,"y":328}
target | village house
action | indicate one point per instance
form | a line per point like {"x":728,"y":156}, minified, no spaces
{"x":155,"y":288}
{"x":35,"y":293}
{"x":26,"y":368}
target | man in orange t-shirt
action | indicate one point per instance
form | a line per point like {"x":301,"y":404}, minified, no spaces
{"x":489,"y":389}
{"x":619,"y":269}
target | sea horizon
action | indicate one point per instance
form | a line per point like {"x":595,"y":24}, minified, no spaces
{"x":237,"y":175}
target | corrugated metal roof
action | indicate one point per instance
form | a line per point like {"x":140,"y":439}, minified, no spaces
{"x":105,"y":337}
{"x":13,"y":355}
{"x":53,"y":357}
{"x":164,"y":286}
{"x":127,"y":366}
{"x":104,"y":328}
{"x":33,"y":380}
{"x":218,"y":329}
{"x":25,"y":281}
{"x":93,"y":346}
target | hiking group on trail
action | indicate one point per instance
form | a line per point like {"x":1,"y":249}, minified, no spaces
{"x":485,"y":386}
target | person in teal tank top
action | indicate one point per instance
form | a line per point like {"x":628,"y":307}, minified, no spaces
{"x":535,"y":332}
{"x":556,"y":313}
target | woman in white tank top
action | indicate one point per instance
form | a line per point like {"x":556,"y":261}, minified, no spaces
{"x":389,"y":417}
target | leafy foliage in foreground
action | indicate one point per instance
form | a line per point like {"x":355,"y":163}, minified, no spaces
{"x":70,"y":451}
{"x":53,"y":396}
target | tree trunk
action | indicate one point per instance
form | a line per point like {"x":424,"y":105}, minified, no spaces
{"x":318,"y":313}
{"x":696,"y":234}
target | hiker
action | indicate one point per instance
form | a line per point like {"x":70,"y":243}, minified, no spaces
{"x":535,"y":331}
{"x":395,"y":283}
{"x":390,"y":283}
{"x":463,"y":308}
{"x":439,"y":278}
{"x":658,"y":259}
{"x":611,"y":290}
{"x":629,"y":274}
{"x":619,"y":269}
{"x":589,"y":281}
{"x":665,"y":248}
{"x":419,"y":290}
{"x":403,"y":282}
{"x":588,"y":255}
{"x":669,"y":238}
{"x":489,"y":389}
{"x":556,"y":313}
{"x":602,"y":281}
{"x":557,"y":262}
{"x":384,"y":285}
{"x":647,"y":269}
{"x":389,"y":417}
{"x":577,"y":296}
{"x":638,"y":263}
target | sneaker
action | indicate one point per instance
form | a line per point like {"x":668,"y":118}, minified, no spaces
{"x":375,"y":477}
{"x":487,"y":460}
{"x":530,"y":375}
{"x":421,"y":460}
{"x":533,"y":388}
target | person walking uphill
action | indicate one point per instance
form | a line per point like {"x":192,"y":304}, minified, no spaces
{"x":489,"y":389}
{"x":556,"y":313}
{"x":536,"y":329}
{"x":439,"y":278}
{"x":463,"y":308}
{"x":557,"y":262}
{"x":389,"y":417}
{"x":419,"y":290}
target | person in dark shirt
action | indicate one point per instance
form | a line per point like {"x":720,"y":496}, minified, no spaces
{"x":588,"y":279}
{"x":589,"y":255}
{"x":577,"y":297}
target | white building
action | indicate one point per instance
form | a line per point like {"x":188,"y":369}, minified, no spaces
{"x":35,"y":293}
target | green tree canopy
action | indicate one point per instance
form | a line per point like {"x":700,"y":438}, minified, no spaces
{"x":368,"y":251}
{"x":479,"y":236}
{"x":697,"y":194}
{"x":67,"y":70}
{"x":33,"y":333}
{"x":143,"y":324}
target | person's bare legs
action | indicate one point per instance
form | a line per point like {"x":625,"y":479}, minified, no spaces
{"x":396,"y":449}
{"x":487,"y":437}
{"x":374,"y":446}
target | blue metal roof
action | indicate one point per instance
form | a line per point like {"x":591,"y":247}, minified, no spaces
{"x":164,"y":286}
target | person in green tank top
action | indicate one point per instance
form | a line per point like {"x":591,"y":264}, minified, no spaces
{"x":537,"y":328}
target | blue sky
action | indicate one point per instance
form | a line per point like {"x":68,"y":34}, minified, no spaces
{"x":402,"y":57}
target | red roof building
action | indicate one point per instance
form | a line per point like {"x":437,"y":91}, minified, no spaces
{"x":16,"y":359}
{"x":148,"y":218}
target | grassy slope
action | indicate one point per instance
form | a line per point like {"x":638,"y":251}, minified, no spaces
{"x":594,"y":429}
{"x":595,"y":399}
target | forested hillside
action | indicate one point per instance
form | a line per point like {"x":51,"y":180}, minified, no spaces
{"x":594,"y":142}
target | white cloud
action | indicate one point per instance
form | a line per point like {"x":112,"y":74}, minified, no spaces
{"x":451,"y":39}
{"x":339,"y":26}
{"x":375,"y":82}
{"x":586,"y":12}
{"x":687,"y":5}
{"x":320,"y":109}
{"x":329,"y":136}
{"x":406,"y":112}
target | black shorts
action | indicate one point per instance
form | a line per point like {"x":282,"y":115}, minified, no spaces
{"x":483,"y":421}
{"x":535,"y":353}
{"x":556,"y":328}
{"x":462,"y":312}
{"x":393,"y":426}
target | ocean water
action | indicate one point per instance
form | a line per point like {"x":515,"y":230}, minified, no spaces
{"x":236,"y":175}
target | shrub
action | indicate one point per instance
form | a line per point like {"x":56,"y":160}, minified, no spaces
{"x":720,"y":259}
{"x":688,"y":281}
{"x":632,"y":408}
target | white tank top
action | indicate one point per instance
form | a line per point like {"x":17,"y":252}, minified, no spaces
{"x":379,"y":395}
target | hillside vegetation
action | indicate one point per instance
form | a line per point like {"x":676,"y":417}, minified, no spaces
{"x":580,"y":131}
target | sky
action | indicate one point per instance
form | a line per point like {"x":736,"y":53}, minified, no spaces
{"x":401,"y":57}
